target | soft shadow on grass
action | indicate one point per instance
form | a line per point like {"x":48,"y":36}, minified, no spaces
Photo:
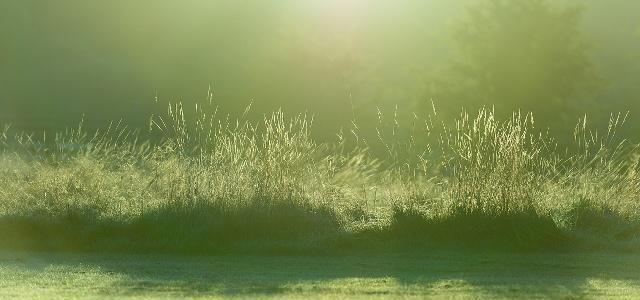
{"x":294,"y":229}
{"x":414,"y":274}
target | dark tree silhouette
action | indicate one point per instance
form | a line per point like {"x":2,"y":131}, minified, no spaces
{"x":518,"y":55}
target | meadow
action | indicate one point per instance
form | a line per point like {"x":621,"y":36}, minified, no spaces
{"x":448,"y":149}
{"x":202,"y":183}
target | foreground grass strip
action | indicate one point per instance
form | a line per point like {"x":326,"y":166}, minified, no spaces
{"x":438,"y":274}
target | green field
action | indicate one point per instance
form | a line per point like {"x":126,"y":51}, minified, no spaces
{"x":410,"y":275}
{"x":343,"y":149}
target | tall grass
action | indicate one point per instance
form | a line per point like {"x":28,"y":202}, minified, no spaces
{"x":212,"y":183}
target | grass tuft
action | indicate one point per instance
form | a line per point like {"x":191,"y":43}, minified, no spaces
{"x":211,"y":185}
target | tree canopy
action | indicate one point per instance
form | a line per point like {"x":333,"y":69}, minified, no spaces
{"x":527,"y":55}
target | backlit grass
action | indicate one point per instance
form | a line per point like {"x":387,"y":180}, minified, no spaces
{"x":212,"y":185}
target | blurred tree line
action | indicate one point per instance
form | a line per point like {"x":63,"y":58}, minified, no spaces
{"x":110,"y":59}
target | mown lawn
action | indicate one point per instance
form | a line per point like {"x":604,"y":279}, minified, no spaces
{"x":416,"y":275}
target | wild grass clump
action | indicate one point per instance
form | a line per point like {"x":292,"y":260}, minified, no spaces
{"x":202,"y":187}
{"x":504,"y":181}
{"x":210,"y":185}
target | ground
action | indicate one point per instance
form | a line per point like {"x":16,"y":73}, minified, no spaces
{"x":416,"y":275}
